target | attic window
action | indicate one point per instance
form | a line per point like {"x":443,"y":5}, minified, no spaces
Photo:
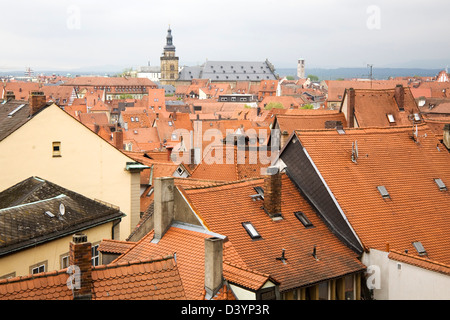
{"x":132,"y":119}
{"x":56,"y":145}
{"x":251,"y":230}
{"x":170,"y":123}
{"x":180,"y":171}
{"x":390,"y":118}
{"x":303,"y":219}
{"x":440,"y":184}
{"x":383,"y":191}
{"x":420,"y":249}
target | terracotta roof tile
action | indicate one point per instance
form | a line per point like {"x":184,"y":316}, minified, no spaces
{"x":421,"y":262}
{"x":156,"y":278}
{"x":416,"y":211}
{"x":221,"y":215}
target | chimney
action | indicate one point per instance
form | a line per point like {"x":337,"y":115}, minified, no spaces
{"x":118,"y":139}
{"x":213,"y":266}
{"x":351,"y":107}
{"x":272,"y":192}
{"x":163,"y":206}
{"x":37,"y":100}
{"x":169,"y":153}
{"x":446,"y":139}
{"x":80,"y":255}
{"x":400,"y":97}
{"x":10,"y":95}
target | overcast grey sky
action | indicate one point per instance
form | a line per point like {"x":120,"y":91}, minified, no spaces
{"x":63,"y":34}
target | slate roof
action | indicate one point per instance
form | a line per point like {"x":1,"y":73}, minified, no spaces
{"x":10,"y":121}
{"x":229,"y":71}
{"x":30,"y":214}
{"x":406,"y":165}
{"x":152,"y":279}
{"x":224,"y":208}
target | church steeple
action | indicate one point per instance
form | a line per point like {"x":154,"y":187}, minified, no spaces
{"x":169,"y":44}
{"x":169,"y":62}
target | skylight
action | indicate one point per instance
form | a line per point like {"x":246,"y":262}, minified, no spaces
{"x":251,"y":230}
{"x":15,"y":110}
{"x":391,"y":118}
{"x":383,"y":191}
{"x":303,"y":219}
{"x":440,"y":184}
{"x":420,"y":248}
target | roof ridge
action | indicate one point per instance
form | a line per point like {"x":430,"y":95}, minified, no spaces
{"x":225,"y":183}
{"x":119,"y":264}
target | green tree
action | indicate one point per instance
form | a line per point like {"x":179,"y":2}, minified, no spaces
{"x":290,"y":77}
{"x":313,"y":77}
{"x":273,"y":105}
{"x":307,"y":106}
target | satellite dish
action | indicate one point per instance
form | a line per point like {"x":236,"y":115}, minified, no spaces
{"x":62,"y":209}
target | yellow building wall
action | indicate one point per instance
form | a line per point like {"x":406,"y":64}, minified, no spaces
{"x":51,"y":252}
{"x":88,"y":164}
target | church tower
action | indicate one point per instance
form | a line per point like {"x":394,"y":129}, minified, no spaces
{"x":169,"y":62}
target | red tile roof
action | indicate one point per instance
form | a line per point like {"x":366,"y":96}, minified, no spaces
{"x":416,"y":211}
{"x":223,"y":209}
{"x":421,"y":262}
{"x":156,"y":278}
{"x":187,"y":245}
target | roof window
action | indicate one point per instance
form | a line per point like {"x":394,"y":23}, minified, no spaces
{"x":383,"y":191}
{"x":390,"y":118}
{"x":440,"y":184}
{"x":420,"y":248}
{"x":251,"y":230}
{"x":15,"y":110}
{"x":303,"y":219}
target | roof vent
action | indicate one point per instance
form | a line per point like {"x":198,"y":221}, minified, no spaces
{"x":282,"y":258}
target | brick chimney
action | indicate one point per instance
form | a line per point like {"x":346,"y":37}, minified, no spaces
{"x":400,"y":97}
{"x":10,"y":95}
{"x":272,"y":192}
{"x":351,"y":107}
{"x":80,"y":255}
{"x":118,"y":139}
{"x":446,"y":139}
{"x":37,"y":100}
{"x":213,"y":266}
{"x":163,"y":214}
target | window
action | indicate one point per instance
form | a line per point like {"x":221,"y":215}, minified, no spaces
{"x":303,"y":219}
{"x":420,"y":248}
{"x":440,"y":184}
{"x":390,"y":118}
{"x":95,"y":255}
{"x":64,"y":259}
{"x":170,"y":123}
{"x":349,"y":288}
{"x":251,"y":230}
{"x":383,"y":191}
{"x":323,"y":291}
{"x":132,"y":119}
{"x":137,"y":119}
{"x":38,"y":267}
{"x":180,"y":171}
{"x":56,"y":146}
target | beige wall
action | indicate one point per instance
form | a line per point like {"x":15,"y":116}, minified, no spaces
{"x":50,"y":252}
{"x":88,"y":164}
